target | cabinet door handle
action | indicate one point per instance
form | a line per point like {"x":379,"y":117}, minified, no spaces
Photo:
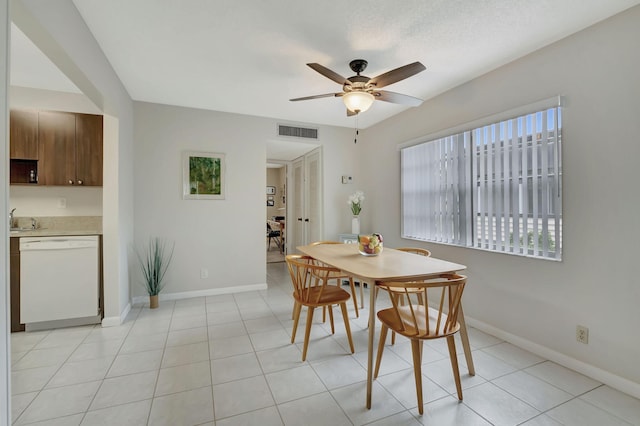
{"x":70,"y":182}
{"x":80,"y":182}
{"x":300,"y":219}
{"x":306,"y":220}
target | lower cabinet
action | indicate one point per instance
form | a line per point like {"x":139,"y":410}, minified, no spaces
{"x":14,"y":265}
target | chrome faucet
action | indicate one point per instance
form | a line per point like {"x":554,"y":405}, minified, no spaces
{"x":11,"y":218}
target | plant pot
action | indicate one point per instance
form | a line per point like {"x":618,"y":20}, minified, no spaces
{"x":153,"y":302}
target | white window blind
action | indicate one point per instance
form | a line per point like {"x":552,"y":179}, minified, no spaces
{"x":495,"y":187}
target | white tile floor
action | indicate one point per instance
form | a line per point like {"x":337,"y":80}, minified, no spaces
{"x":226,"y":360}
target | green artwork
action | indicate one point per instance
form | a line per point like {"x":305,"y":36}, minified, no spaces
{"x":205,"y":175}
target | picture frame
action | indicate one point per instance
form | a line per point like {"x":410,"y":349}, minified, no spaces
{"x":270,"y":203}
{"x":271,"y":190}
{"x":203,"y":175}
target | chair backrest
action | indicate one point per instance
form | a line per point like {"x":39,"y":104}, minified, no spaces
{"x":438,"y":315}
{"x":308,"y":277}
{"x":416,"y":250}
{"x":271,"y":232}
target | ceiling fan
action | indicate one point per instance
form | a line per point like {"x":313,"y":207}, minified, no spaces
{"x":359,"y":91}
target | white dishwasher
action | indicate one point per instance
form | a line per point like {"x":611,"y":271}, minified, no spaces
{"x":59,"y":280}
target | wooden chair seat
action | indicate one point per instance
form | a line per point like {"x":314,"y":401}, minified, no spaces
{"x":322,"y":296}
{"x":405,"y":326}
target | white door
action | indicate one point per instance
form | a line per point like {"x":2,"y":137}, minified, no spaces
{"x":297,"y":221}
{"x":313,"y":197}
{"x":307,"y":199}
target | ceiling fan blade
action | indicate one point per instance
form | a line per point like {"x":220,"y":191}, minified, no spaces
{"x":326,"y":95}
{"x":331,"y":75}
{"x":397,"y":98}
{"x":397,"y":74}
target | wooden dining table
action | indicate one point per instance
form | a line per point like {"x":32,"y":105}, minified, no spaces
{"x":390,"y":265}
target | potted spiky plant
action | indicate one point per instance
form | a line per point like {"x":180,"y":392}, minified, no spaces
{"x":154,"y":262}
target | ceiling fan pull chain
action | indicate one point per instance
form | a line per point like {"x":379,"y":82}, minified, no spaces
{"x":355,"y":140}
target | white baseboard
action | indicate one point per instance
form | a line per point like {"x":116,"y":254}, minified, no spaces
{"x":603,"y":376}
{"x":199,"y":293}
{"x":116,"y":321}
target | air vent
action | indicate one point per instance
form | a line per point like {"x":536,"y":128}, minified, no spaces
{"x":297,"y":132}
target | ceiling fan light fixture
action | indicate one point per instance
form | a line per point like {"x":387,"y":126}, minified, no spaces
{"x":358,"y":101}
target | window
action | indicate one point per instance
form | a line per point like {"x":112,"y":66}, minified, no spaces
{"x":496,"y":187}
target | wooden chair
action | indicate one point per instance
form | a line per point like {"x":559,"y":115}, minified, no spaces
{"x":272,"y":233}
{"x":310,"y":289}
{"x":399,"y":294}
{"x":419,"y":322}
{"x":416,"y":250}
{"x":339,"y":276}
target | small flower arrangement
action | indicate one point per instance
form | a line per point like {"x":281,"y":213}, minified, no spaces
{"x":354,"y":202}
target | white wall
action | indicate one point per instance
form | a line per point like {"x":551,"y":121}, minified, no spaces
{"x":43,"y":201}
{"x":535,"y":301}
{"x":226,"y":237}
{"x":5,"y":362}
{"x":276,"y":177}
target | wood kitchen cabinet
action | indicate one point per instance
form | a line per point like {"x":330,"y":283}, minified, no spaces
{"x":71,"y":148}
{"x":14,"y":265}
{"x":24,"y":135}
{"x":23,"y":149}
{"x":89,"y":149}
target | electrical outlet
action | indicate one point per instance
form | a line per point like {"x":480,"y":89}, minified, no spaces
{"x":582,"y":334}
{"x":347,"y":179}
{"x":204,"y":273}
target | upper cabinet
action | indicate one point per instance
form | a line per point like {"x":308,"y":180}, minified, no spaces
{"x":89,"y":149}
{"x":24,"y":135}
{"x":68,"y":149}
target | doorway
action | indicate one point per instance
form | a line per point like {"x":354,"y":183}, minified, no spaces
{"x":276,"y":197}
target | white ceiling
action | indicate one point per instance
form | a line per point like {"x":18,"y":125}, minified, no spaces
{"x":249,"y":56}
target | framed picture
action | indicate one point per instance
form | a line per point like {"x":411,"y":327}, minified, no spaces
{"x":271,"y":190}
{"x":203,"y":176}
{"x":270,"y":203}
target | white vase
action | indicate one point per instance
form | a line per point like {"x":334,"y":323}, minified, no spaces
{"x":355,"y":225}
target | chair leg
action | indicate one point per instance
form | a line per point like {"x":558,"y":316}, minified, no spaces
{"x":454,"y":364}
{"x":354,"y":293}
{"x":347,"y":327}
{"x":416,"y":350}
{"x":383,"y":337}
{"x":333,"y":328}
{"x":296,"y":317}
{"x":307,"y":333}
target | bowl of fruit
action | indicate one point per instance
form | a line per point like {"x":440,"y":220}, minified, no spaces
{"x":370,"y":245}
